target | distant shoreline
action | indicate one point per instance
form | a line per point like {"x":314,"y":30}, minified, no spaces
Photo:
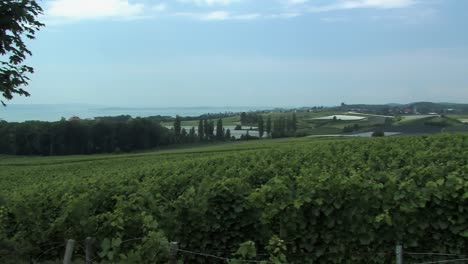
{"x":51,"y":113}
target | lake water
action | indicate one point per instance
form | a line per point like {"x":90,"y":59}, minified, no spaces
{"x":20,"y":113}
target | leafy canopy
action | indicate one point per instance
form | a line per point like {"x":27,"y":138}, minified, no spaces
{"x":17,"y":20}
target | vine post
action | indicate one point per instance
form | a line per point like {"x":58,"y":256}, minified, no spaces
{"x":174,"y":247}
{"x":67,"y":259}
{"x":399,"y":254}
{"x":89,"y":251}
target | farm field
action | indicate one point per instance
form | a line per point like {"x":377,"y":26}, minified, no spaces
{"x":341,"y":117}
{"x":313,"y":200}
{"x":322,"y":122}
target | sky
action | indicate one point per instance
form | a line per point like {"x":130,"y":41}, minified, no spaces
{"x":249,"y":52}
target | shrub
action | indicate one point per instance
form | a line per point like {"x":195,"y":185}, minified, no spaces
{"x":378,"y":133}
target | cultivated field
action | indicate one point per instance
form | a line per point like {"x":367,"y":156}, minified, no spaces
{"x":326,"y":199}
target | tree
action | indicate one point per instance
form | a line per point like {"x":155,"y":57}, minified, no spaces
{"x":288,"y":124}
{"x":178,"y":127}
{"x":192,"y":135}
{"x":201,"y":130}
{"x":279,"y":127}
{"x":243,"y":118}
{"x":294,"y":122}
{"x":268,"y":125}
{"x":228,"y":134}
{"x":219,"y":130}
{"x":211,"y":129}
{"x":17,"y":19}
{"x":206,"y":129}
{"x":261,"y":126}
{"x":378,"y":133}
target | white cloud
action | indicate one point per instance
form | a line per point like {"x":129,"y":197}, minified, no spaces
{"x":88,"y":9}
{"x":70,"y":11}
{"x":354,"y":4}
{"x":247,"y":16}
{"x":223,"y":15}
{"x":295,"y":2}
{"x":216,"y":15}
{"x":350,"y":4}
{"x":207,"y":2}
{"x":160,"y":7}
{"x":285,"y":15}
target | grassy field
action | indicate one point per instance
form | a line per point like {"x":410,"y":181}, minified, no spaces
{"x":309,"y":125}
{"x":173,"y":152}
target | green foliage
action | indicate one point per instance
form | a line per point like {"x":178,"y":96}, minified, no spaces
{"x":351,"y":128}
{"x":284,"y":126}
{"x":18,"y":19}
{"x":248,"y":119}
{"x":246,"y":251}
{"x":228,"y":134}
{"x":441,"y":121}
{"x":301,"y":133}
{"x":294,"y":122}
{"x":326,"y":201}
{"x":201,"y":130}
{"x":220,"y":130}
{"x":248,"y":137}
{"x":83,"y":137}
{"x":268,"y":125}
{"x":277,"y":249}
{"x":378,"y":133}
{"x":261,"y":126}
{"x":178,"y":127}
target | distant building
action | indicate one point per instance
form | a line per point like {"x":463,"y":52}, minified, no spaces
{"x":74,"y":118}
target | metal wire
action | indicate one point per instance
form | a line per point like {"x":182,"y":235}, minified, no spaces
{"x":434,"y":254}
{"x":460,"y":257}
{"x":221,"y":258}
{"x":445,"y":261}
{"x":47,"y":251}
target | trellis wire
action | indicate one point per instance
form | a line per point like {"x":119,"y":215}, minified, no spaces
{"x":445,"y":261}
{"x":221,"y":258}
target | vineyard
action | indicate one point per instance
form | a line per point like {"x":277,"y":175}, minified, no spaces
{"x":278,"y":201}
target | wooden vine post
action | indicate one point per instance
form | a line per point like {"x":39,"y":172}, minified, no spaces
{"x":399,"y":254}
{"x":174,"y":247}
{"x":89,"y":250}
{"x":67,"y":258}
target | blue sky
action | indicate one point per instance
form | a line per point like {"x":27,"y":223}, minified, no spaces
{"x":249,"y":52}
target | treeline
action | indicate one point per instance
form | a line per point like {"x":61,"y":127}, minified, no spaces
{"x":103,"y":135}
{"x":81,"y":137}
{"x":122,"y":134}
{"x":413,"y":108}
{"x":282,"y":126}
{"x":249,"y":118}
{"x":209,"y":116}
{"x":204,"y":132}
{"x":160,"y":118}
